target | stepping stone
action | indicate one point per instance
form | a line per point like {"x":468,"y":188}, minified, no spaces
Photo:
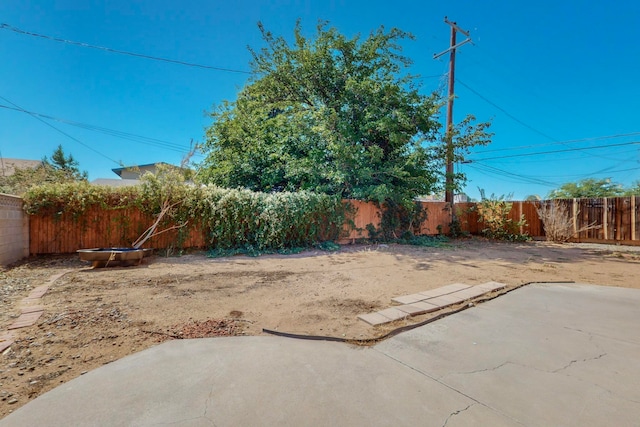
{"x":32,"y":309}
{"x":417,"y":308}
{"x":409,"y":299}
{"x":445,"y":290}
{"x":5,"y":341}
{"x":56,"y":277}
{"x":26,"y":319}
{"x":374,"y":319}
{"x":492,"y":286}
{"x":393,"y":314}
{"x":472,"y":292}
{"x":445,"y":300}
{"x":432,"y":293}
{"x":38,"y":292}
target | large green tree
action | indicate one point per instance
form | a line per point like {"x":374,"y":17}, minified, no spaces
{"x":588,"y":188}
{"x":332,"y":114}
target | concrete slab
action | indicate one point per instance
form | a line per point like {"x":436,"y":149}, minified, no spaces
{"x":246,"y":381}
{"x":541,"y":355}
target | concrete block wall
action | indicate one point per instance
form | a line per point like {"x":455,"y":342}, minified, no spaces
{"x":14,"y":230}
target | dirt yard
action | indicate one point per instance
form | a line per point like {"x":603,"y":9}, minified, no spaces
{"x":95,"y":316}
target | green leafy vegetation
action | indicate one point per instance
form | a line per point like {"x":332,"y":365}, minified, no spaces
{"x":60,"y":168}
{"x":232,"y":218}
{"x":495,"y":214}
{"x":593,"y":188}
{"x":333,"y":115}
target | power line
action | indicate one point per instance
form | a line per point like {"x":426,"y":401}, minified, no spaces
{"x":112,"y":132}
{"x":511,"y":116}
{"x":571,"y":141}
{"x":122,"y":52}
{"x":519,"y":177}
{"x":59,"y":130}
{"x":557,"y":151}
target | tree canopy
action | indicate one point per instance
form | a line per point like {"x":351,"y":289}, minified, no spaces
{"x":335,"y":115}
{"x":64,"y":167}
{"x":588,"y":188}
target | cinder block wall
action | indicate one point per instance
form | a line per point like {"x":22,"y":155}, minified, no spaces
{"x":14,"y":230}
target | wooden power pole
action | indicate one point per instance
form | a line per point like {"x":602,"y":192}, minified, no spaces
{"x":449,"y":185}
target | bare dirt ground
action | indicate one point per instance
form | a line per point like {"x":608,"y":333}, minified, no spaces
{"x":95,"y":316}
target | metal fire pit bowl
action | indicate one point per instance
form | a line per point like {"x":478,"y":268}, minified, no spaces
{"x":103,"y":257}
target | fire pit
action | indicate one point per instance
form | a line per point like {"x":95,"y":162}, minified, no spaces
{"x":103,"y":257}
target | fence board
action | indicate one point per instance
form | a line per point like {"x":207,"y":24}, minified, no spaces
{"x":119,"y":228}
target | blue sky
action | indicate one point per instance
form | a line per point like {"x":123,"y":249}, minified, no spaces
{"x":551,"y":76}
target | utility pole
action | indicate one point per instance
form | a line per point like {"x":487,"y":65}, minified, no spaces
{"x":449,"y":131}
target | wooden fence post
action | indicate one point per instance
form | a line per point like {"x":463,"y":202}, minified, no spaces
{"x":520,"y":217}
{"x":633,"y":217}
{"x":604,"y":218}
{"x":574,"y":215}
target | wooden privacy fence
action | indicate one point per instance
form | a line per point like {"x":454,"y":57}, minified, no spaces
{"x":100,"y":228}
{"x":439,"y":219}
{"x":610,"y":220}
{"x":604,"y":220}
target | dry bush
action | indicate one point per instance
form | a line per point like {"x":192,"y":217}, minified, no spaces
{"x":558,"y":221}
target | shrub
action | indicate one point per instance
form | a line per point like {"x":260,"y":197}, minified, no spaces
{"x":232,"y":218}
{"x":495,"y":213}
{"x":558,"y":221}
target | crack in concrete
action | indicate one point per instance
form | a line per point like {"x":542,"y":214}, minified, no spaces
{"x":449,"y":387}
{"x":483,"y":370}
{"x":592,"y":334}
{"x":179,"y":422}
{"x":578,"y":361}
{"x":453,"y":414}
{"x":205,"y":414}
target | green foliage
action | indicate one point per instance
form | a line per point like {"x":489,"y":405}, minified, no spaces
{"x":76,"y":197}
{"x":495,"y":213}
{"x":258,"y":221}
{"x":232,"y":218}
{"x":424,"y":241}
{"x":60,"y":169}
{"x":634,"y":190}
{"x":65,"y":166}
{"x":333,"y":115}
{"x":397,"y":221}
{"x":588,"y":188}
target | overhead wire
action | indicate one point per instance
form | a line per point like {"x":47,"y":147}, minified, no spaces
{"x":60,"y":131}
{"x":520,"y":177}
{"x":570,"y":141}
{"x":121,"y":52}
{"x":511,"y":116}
{"x":573,"y":149}
{"x":112,"y":132}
